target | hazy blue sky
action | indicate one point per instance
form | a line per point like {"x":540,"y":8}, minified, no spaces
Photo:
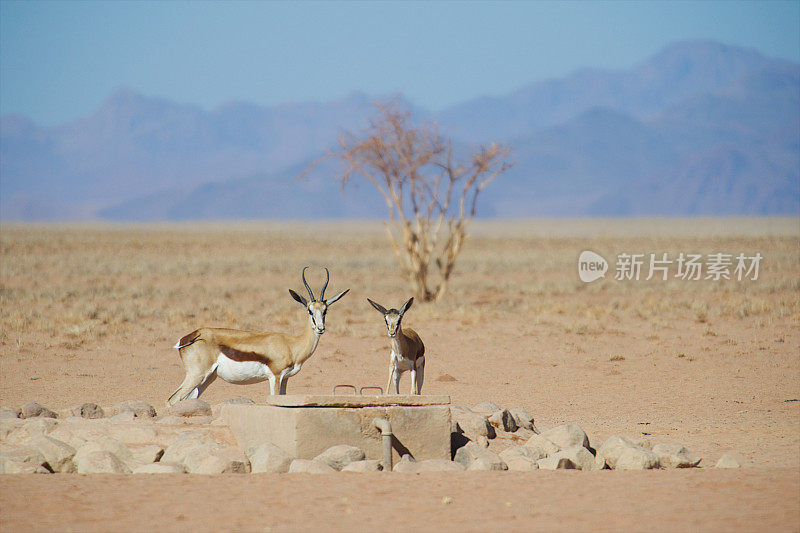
{"x":60,"y":60}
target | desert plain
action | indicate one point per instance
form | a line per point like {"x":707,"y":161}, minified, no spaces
{"x":89,"y":313}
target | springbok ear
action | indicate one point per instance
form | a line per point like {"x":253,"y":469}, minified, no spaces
{"x":298,"y":297}
{"x":407,"y":305}
{"x":378,"y":306}
{"x":329,"y":301}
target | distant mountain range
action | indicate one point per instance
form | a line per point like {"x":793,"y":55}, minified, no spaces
{"x":701,"y":128}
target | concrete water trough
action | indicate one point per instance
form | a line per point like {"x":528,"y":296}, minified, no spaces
{"x":306,"y":425}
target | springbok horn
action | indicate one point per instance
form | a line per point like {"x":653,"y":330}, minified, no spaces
{"x":327,"y":279}
{"x":311,"y":294}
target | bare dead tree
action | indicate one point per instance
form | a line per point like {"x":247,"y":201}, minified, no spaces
{"x":430,"y":196}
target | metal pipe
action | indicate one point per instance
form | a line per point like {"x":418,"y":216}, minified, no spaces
{"x":386,"y":434}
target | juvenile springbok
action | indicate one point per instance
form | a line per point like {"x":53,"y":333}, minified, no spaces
{"x":245,"y":357}
{"x":407,"y":350}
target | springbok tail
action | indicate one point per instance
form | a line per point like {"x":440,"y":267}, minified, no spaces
{"x":188,"y":340}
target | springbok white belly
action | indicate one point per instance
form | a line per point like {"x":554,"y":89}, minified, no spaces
{"x":243,"y":372}
{"x":401,"y":363}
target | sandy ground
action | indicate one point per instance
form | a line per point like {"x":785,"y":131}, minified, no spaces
{"x":743,"y":500}
{"x":89,"y":313}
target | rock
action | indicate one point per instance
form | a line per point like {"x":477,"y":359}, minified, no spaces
{"x":556,"y":463}
{"x":124,"y":416}
{"x":541,"y":446}
{"x":190,"y":407}
{"x":88,"y":410}
{"x":523,"y":418}
{"x":150,"y":453}
{"x":521,"y":435}
{"x":139,"y":409}
{"x":474,"y":457}
{"x":520,"y":458}
{"x":160,"y":468}
{"x":407,"y":464}
{"x":600,"y":462}
{"x":65,"y":435}
{"x":33,"y":409}
{"x":486,"y":408}
{"x":472,"y":425}
{"x":221,"y":464}
{"x":199,"y":420}
{"x":8,"y":426}
{"x":171,"y":420}
{"x":101,"y":462}
{"x":482,"y":441}
{"x":520,"y":451}
{"x":637,"y":458}
{"x":184,"y":445}
{"x":22,"y":460}
{"x":439,"y":465}
{"x":613,"y":447}
{"x":106,"y":444}
{"x":567,"y":436}
{"x":367,"y":465}
{"x":47,"y":413}
{"x":457,"y":437}
{"x":309,"y":466}
{"x":57,"y":454}
{"x":641,"y":442}
{"x":504,"y":420}
{"x":40,"y":424}
{"x":76,"y":435}
{"x":116,"y":447}
{"x":340,"y":456}
{"x":194,"y":454}
{"x":30,"y":428}
{"x":580,"y":457}
{"x":266,"y":457}
{"x":410,"y":466}
{"x":675,"y":456}
{"x":133,"y":433}
{"x":727,"y":461}
{"x":5,"y":412}
{"x":11,"y":467}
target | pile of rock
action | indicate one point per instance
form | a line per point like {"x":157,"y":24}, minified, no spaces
{"x":128,"y":438}
{"x":131,"y":437}
{"x":562,"y":447}
{"x":481,"y":423}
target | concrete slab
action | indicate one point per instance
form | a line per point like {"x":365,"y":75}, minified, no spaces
{"x":306,"y":425}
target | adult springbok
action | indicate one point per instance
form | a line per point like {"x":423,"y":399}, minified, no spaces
{"x":407,"y":350}
{"x":245,"y":357}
